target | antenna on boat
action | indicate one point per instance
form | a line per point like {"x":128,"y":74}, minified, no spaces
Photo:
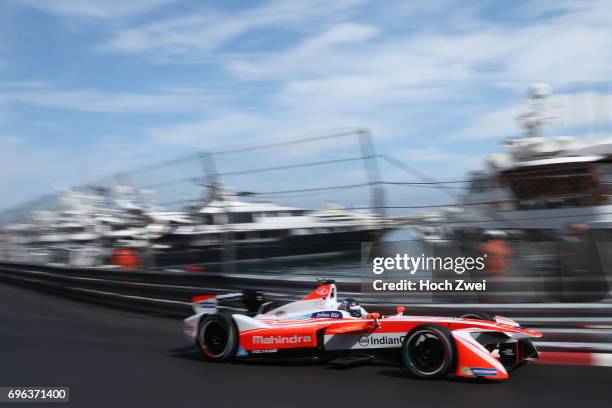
{"x":216,"y":192}
{"x":534,"y":118}
{"x":211,"y":177}
{"x":369,"y":157}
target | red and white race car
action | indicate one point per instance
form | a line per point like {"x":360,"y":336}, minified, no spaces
{"x":343,"y":333}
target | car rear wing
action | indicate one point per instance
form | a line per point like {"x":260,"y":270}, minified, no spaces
{"x":209,"y":304}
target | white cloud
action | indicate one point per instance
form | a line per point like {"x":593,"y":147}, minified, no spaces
{"x":103,"y":9}
{"x":348,"y":68}
{"x":234,"y":130}
{"x":230,"y":129}
{"x":352,"y":68}
{"x":316,"y":54}
{"x":214,"y":132}
{"x":205,"y":30}
{"x":93,"y":100}
{"x":462,"y":58}
{"x":560,"y":53}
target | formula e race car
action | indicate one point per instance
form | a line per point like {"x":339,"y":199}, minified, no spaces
{"x":342,"y":333}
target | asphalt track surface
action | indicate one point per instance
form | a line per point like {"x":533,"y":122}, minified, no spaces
{"x":115,"y":358}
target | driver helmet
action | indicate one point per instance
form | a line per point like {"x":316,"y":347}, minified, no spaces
{"x":351,"y":306}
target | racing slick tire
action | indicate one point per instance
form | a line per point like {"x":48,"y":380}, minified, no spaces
{"x":428,"y":352}
{"x":218,"y":337}
{"x":488,"y":316}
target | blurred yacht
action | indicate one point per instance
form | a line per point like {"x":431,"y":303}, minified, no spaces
{"x":539,"y":183}
{"x":227,"y":227}
{"x":90,"y":221}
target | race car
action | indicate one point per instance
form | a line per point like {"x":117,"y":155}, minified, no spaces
{"x":343,"y":333}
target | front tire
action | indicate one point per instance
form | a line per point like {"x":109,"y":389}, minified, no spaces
{"x":428,"y":352}
{"x":218,"y":337}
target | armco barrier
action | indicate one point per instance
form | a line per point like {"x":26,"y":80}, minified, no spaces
{"x":181,"y":286}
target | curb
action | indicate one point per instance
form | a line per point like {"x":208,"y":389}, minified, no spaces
{"x":575,"y":358}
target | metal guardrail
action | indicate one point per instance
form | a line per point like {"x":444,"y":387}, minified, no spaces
{"x":170,"y":292}
{"x":181,"y":286}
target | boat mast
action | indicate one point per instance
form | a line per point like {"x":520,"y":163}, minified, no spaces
{"x":369,"y":157}
{"x":534,"y":118}
{"x":216,"y":193}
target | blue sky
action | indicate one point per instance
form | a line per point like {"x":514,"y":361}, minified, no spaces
{"x":88,"y":88}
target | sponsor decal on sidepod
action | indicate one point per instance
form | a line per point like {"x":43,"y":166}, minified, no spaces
{"x":365,"y":341}
{"x":295,"y":339}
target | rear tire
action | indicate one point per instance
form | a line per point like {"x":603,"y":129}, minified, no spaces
{"x":488,"y":316}
{"x":428,"y":352}
{"x":218,"y":337}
